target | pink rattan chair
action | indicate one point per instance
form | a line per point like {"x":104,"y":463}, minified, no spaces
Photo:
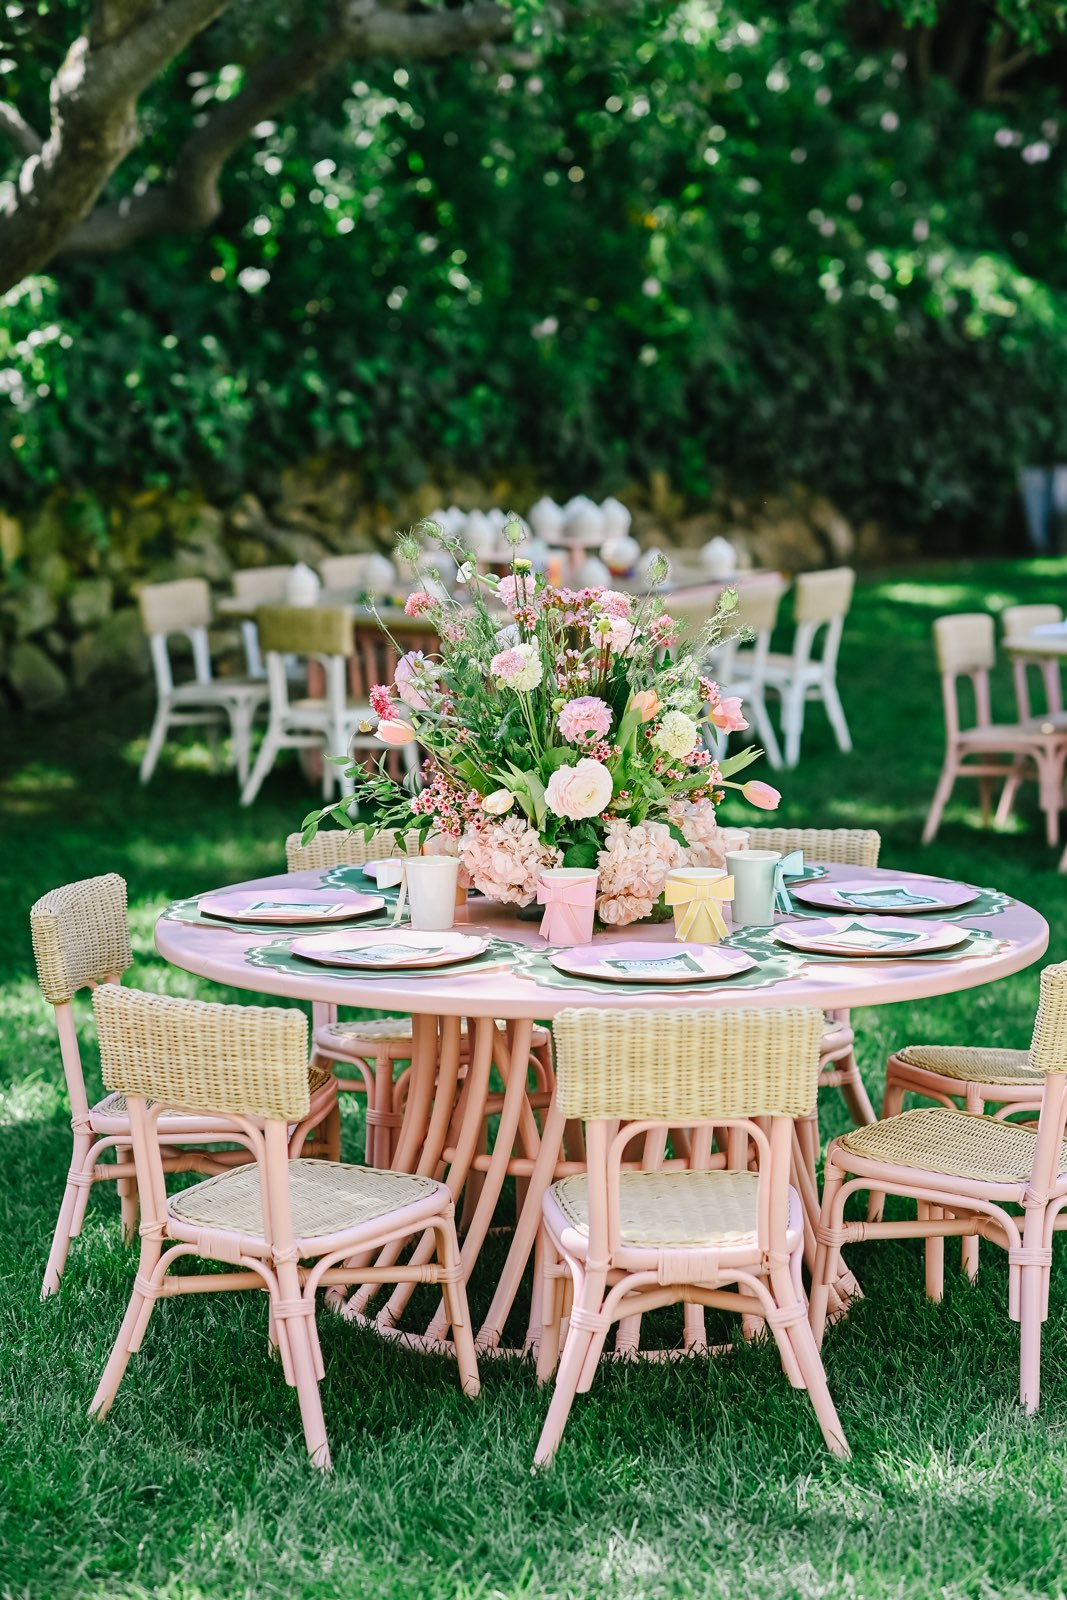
{"x":964,"y":1172}
{"x":81,"y":938}
{"x":249,"y":1064}
{"x":621,"y":1242}
{"x":965,"y":649}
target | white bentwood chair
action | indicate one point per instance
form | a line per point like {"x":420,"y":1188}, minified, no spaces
{"x":184,"y":607}
{"x":821,"y":602}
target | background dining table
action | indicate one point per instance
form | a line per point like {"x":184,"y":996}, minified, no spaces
{"x":514,"y":984}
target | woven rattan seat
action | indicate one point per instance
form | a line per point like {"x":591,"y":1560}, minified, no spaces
{"x":386,"y":1030}
{"x":973,"y":1065}
{"x":327,"y":1197}
{"x":672,"y":1210}
{"x":953,"y":1142}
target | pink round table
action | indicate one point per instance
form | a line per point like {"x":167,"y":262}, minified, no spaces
{"x":444,"y":1114}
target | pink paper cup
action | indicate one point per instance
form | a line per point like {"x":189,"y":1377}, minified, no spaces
{"x":568,"y":895}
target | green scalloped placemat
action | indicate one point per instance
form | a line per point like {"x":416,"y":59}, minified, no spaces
{"x":774,"y":967}
{"x":759,"y":942}
{"x":187,"y":911}
{"x":990,"y":903}
{"x":280,"y":958}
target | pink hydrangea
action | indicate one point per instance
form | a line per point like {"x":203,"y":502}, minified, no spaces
{"x":632,"y":868}
{"x":707,"y":843}
{"x":584,"y":719}
{"x":504,"y":859}
{"x":417,"y":603}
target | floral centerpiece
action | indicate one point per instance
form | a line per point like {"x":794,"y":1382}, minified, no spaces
{"x":558,"y":727}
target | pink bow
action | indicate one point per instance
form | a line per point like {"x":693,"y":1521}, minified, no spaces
{"x":568,"y":917}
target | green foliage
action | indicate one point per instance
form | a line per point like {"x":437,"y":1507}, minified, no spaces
{"x":721,"y":245}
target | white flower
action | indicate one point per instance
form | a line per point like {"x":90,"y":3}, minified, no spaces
{"x":518,"y":668}
{"x":498,"y":802}
{"x":579,"y":791}
{"x":676,"y":735}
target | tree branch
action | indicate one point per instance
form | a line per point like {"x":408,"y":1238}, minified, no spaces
{"x":93,"y":122}
{"x":361,"y":28}
{"x":18,"y":130}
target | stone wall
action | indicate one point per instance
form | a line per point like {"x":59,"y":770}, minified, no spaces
{"x":70,"y":571}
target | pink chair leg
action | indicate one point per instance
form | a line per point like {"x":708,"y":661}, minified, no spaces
{"x":942,"y":793}
{"x":302,"y":1355}
{"x":855,"y":1093}
{"x":827,"y":1255}
{"x":570,"y":1371}
{"x":551,"y":1310}
{"x":935,"y":1254}
{"x":130,"y":1333}
{"x":77,"y":1178}
{"x":129,"y":1208}
{"x":456,"y":1308}
{"x":810,"y":1363}
{"x":1030,"y":1307}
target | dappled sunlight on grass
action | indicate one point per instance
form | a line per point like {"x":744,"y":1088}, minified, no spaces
{"x":704,"y":1481}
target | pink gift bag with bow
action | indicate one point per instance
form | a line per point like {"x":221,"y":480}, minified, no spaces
{"x":568,"y":895}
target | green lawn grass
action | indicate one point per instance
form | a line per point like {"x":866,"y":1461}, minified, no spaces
{"x":700,"y":1479}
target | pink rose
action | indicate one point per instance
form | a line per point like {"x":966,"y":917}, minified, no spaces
{"x":646,"y":702}
{"x":761,"y":795}
{"x":392,"y":731}
{"x":579,"y":791}
{"x":584,"y":718}
{"x":728,"y":718}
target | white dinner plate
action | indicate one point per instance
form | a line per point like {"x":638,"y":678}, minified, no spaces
{"x":282,"y":906}
{"x":634,"y":962}
{"x":887,"y":937}
{"x":388,"y":950}
{"x":902,"y":898}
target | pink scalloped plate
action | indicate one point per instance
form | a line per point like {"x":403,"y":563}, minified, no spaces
{"x":282,"y":907}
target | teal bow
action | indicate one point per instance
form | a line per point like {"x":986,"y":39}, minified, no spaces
{"x":789,"y":867}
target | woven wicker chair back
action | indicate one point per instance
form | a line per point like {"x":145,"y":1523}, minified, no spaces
{"x":679,"y":1067}
{"x":847,"y":847}
{"x":175,"y":607}
{"x":80,"y":936}
{"x":249,"y":1060}
{"x":964,"y":643}
{"x":822,"y":596}
{"x":1048,"y":1047}
{"x":305,"y":630}
{"x":1017,"y":621}
{"x":261,"y":586}
{"x":758,"y":605}
{"x":339,"y":848}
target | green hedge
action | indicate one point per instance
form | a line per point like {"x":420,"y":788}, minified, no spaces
{"x":732,"y":252}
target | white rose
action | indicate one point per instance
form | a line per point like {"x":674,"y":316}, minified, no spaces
{"x":498,"y":802}
{"x":579,"y":791}
{"x":676,"y":735}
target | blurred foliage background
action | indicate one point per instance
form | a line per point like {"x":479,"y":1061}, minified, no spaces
{"x":805,"y":243}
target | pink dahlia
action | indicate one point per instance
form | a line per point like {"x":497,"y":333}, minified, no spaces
{"x":583,"y":719}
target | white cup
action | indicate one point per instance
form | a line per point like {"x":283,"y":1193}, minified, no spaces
{"x":753,"y":875}
{"x":430,"y":884}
